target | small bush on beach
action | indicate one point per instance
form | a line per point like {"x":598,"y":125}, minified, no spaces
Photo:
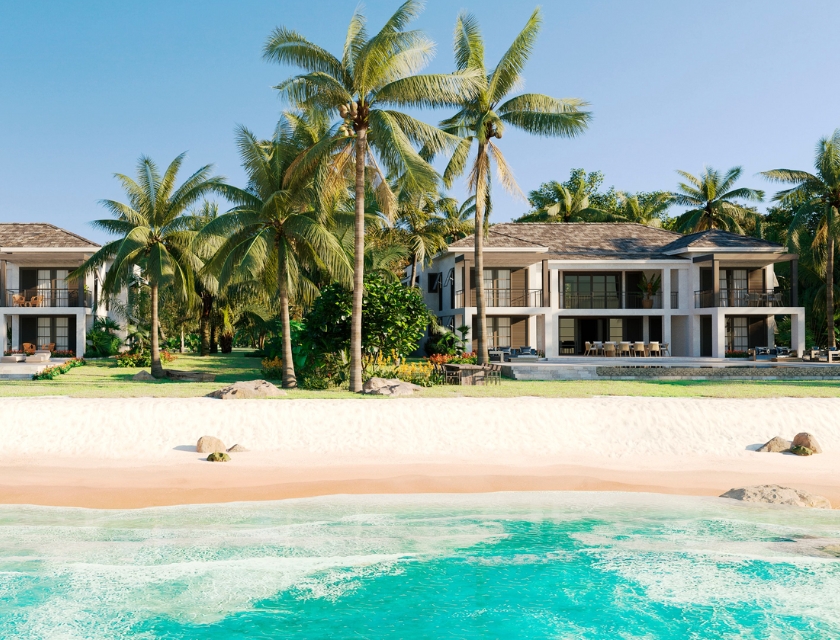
{"x":51,"y":373}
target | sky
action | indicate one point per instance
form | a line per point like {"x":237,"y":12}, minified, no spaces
{"x":87,"y":87}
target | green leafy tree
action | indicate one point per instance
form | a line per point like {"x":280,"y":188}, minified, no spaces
{"x":713,"y":202}
{"x":565,"y":202}
{"x":395,"y":318}
{"x":649,"y":209}
{"x":483,"y":117}
{"x":155,"y":235}
{"x":273,"y":235}
{"x":816,"y":197}
{"x":373,"y":76}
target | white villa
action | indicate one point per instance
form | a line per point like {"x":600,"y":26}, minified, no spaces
{"x":39,"y":303}
{"x":555,"y":287}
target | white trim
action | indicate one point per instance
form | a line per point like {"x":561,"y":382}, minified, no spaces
{"x":13,"y":250}
{"x":710,"y":250}
{"x":463,"y":250}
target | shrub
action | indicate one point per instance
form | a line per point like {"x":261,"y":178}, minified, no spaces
{"x":142,"y":359}
{"x":272,"y":368}
{"x":737,"y":354}
{"x":66,"y":353}
{"x":464,"y":358}
{"x":51,"y":373}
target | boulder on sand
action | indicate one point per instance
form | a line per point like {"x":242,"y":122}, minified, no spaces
{"x":247,"y":390}
{"x":218,"y":457}
{"x":389,"y":387}
{"x":209,"y":444}
{"x":237,"y":448}
{"x":775,"y":494}
{"x":143,"y":376}
{"x":776,"y":445}
{"x":808,"y":441}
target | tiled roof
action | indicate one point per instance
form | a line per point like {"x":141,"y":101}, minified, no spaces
{"x":38,"y":235}
{"x":719,"y":239}
{"x":580,"y":240}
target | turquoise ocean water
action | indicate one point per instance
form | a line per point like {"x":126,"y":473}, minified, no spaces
{"x":510,"y":565}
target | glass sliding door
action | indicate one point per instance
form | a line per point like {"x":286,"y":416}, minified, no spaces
{"x":499,"y":332}
{"x":497,"y":287}
{"x":591,"y":291}
{"x":737,"y":334}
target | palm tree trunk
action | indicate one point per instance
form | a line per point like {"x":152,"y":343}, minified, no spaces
{"x":289,"y":379}
{"x":414,"y":271}
{"x":829,"y":290}
{"x":206,"y":309}
{"x":157,"y":368}
{"x":481,"y":307}
{"x":359,"y":267}
{"x":214,"y":345}
{"x":183,"y":350}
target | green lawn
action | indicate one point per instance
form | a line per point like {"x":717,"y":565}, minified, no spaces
{"x":101,"y":379}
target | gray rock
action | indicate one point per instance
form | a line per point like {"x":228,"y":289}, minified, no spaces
{"x":776,"y":445}
{"x":774,"y":494}
{"x":209,"y":444}
{"x":143,"y":376}
{"x":237,"y":448}
{"x":808,"y":441}
{"x":389,"y":387}
{"x":218,"y":457}
{"x":247,"y":390}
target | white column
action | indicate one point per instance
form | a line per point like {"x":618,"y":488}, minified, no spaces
{"x":3,"y":345}
{"x":532,"y":331}
{"x":15,"y":332}
{"x":81,"y":334}
{"x":771,"y":331}
{"x":686,"y":284}
{"x":646,"y":329}
{"x":797,"y":333}
{"x":554,"y":287}
{"x":552,"y":348}
{"x":718,"y":334}
{"x":694,"y":336}
{"x":665,"y":288}
{"x":666,"y":329}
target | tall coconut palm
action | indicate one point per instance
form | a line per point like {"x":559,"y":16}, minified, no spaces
{"x":712,"y":201}
{"x":457,"y":222}
{"x":817,"y":194}
{"x":372,"y":74}
{"x":483,"y":118}
{"x":419,"y":223}
{"x":156,"y":236}
{"x":272,"y":234}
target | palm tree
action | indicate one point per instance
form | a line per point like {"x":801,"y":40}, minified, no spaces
{"x":816,"y":194}
{"x":643,"y":208}
{"x":712,"y":201}
{"x":156,"y":236}
{"x":483,"y":118}
{"x":568,"y":204}
{"x":457,"y":221}
{"x":372,"y":74}
{"x":272,"y":235}
{"x":419,"y":224}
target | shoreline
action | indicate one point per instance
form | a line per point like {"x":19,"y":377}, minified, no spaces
{"x":134,"y":453}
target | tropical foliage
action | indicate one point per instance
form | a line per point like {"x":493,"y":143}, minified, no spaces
{"x":713,"y":201}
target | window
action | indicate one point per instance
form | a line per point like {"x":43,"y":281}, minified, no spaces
{"x":591,"y":291}
{"x":44,"y":332}
{"x":62,"y":334}
{"x":616,"y":329}
{"x":737,"y":334}
{"x":499,"y":331}
{"x":497,"y":287}
{"x":733,"y":287}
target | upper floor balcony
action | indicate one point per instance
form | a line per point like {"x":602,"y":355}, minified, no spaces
{"x":632,"y":300}
{"x":48,"y":297}
{"x":497,"y":297}
{"x":741,"y":298}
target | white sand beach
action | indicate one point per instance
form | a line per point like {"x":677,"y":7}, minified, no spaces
{"x":141,"y":452}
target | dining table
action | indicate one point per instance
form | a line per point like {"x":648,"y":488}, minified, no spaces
{"x":471,"y":374}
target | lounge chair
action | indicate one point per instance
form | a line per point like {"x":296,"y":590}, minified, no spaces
{"x":28,"y":348}
{"x":35,"y":301}
{"x":48,"y":347}
{"x":18,"y":300}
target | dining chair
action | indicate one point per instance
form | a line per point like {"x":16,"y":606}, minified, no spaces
{"x":587,"y":348}
{"x":624,"y":347}
{"x":609,"y":349}
{"x":665,"y":348}
{"x":639,"y":348}
{"x":654,"y":350}
{"x":18,"y":300}
{"x":599,"y":348}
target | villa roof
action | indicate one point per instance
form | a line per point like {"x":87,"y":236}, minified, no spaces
{"x":718,"y":239}
{"x":579,"y":240}
{"x":41,"y":235}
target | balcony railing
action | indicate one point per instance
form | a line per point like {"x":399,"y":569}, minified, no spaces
{"x":741,"y":298}
{"x":45,"y":297}
{"x":610,"y":301}
{"x":503,"y":298}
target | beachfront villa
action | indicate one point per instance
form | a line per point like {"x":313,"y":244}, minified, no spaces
{"x":40,"y":304}
{"x":562,"y":287}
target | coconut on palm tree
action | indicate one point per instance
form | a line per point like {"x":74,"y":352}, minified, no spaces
{"x":482,"y":119}
{"x":156,"y":236}
{"x":713,"y":201}
{"x":816,"y":194}
{"x":374,"y":76}
{"x":273,"y":235}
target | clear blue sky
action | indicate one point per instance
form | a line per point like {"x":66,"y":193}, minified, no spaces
{"x":87,"y":87}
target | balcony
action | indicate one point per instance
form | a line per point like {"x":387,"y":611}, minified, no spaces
{"x":503,"y":298}
{"x":29,"y":298}
{"x":741,"y":298}
{"x":610,"y":301}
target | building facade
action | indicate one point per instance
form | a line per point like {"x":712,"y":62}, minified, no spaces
{"x":40,"y":303}
{"x":555,"y":287}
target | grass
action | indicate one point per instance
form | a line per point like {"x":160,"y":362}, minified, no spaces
{"x":102,"y":379}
